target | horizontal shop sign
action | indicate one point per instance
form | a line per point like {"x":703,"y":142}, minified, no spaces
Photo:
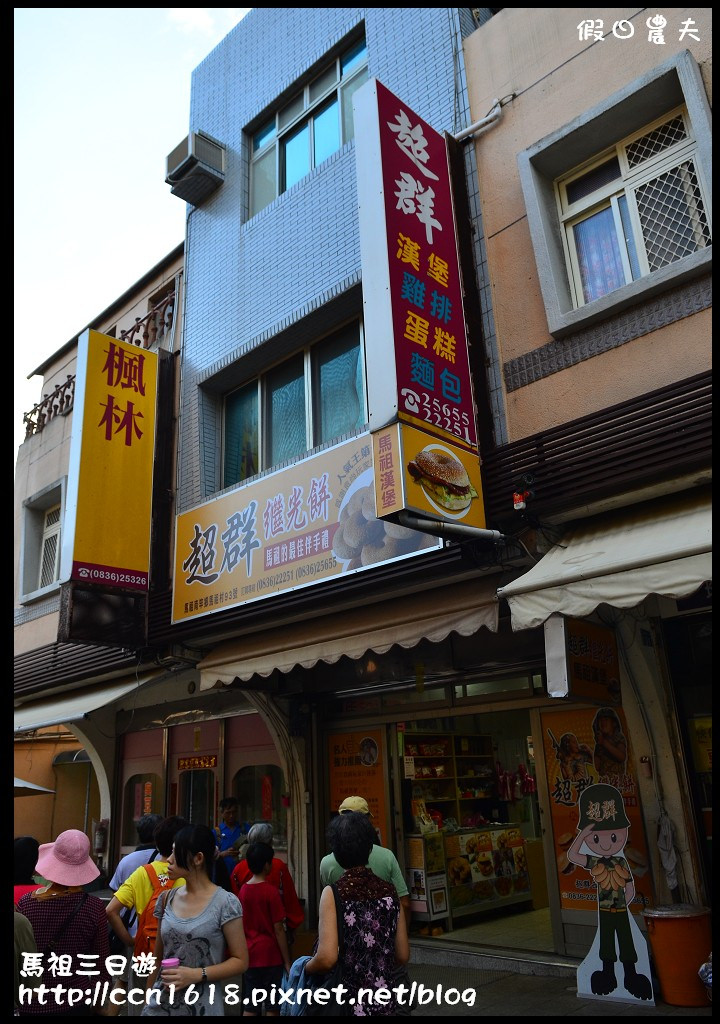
{"x":304,"y":524}
{"x":188,"y":764}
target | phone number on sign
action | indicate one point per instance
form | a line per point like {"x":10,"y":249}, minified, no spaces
{"x":324,"y":565}
{"x":114,"y":577}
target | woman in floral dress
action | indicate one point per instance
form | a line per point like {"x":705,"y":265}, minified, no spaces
{"x":375,"y":935}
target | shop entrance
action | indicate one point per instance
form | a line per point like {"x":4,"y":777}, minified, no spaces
{"x":473,"y":850}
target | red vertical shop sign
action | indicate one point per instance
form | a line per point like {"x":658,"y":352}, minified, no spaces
{"x":415,"y":336}
{"x":266,"y":801}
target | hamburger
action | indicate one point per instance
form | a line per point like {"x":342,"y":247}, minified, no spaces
{"x":443,"y":478}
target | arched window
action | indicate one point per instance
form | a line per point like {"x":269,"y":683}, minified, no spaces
{"x":260,"y":788}
{"x":143,"y":795}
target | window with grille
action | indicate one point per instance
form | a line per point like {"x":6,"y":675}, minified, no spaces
{"x":50,"y":549}
{"x":634,"y":209}
{"x":308,"y":129}
{"x":311,"y":398}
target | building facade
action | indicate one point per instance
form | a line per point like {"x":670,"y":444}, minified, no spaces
{"x":299,"y":648}
{"x":73,"y":653}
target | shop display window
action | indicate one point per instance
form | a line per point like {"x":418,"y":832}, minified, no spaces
{"x":470,"y":813}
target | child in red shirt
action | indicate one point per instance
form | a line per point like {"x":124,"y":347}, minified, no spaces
{"x":263,"y":921}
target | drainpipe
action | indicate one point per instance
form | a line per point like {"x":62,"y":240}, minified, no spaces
{"x":459,"y":531}
{"x":451,"y":530}
{"x":485,"y":122}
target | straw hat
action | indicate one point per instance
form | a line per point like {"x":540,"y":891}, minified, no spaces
{"x":67,"y":861}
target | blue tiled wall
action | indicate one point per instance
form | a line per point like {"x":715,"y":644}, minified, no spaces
{"x":248,"y":279}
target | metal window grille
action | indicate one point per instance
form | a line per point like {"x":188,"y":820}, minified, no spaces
{"x":49,"y":558}
{"x":656,"y":141}
{"x":672,"y":216}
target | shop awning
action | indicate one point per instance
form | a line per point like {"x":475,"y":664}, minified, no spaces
{"x":71,"y":707}
{"x":662,"y":547}
{"x":432,"y":615}
{"x":23,"y":788}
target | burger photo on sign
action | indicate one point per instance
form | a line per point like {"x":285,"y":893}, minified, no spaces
{"x":443,"y":478}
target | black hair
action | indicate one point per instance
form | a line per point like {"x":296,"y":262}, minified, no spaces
{"x":25,"y":855}
{"x":257,"y":856}
{"x":165,"y":832}
{"x":228,"y":801}
{"x":192,"y":840}
{"x":146,"y":827}
{"x":220,"y":874}
{"x":351,"y":838}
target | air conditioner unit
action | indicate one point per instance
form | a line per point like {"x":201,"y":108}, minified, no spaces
{"x":196,"y":168}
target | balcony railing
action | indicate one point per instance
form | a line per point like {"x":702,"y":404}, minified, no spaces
{"x":149,"y":329}
{"x":154,"y":326}
{"x":58,"y":403}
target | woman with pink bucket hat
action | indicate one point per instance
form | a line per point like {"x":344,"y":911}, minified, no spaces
{"x":70,"y":929}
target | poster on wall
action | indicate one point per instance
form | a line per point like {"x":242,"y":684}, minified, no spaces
{"x":356,"y":761}
{"x":583,"y":748}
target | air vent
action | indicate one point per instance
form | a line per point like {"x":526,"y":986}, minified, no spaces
{"x":196,"y":168}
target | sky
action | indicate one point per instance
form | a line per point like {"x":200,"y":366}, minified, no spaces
{"x":102,"y":95}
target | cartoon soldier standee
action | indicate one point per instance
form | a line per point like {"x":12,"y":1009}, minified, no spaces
{"x":603,"y":829}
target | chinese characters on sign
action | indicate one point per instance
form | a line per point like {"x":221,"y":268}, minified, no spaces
{"x":593,"y":30}
{"x":592,"y":661}
{"x":398,"y":486}
{"x":280,"y":533}
{"x":190,"y":764}
{"x":407,"y":228}
{"x":109,"y":504}
{"x":388,"y":472}
{"x":123,"y":370}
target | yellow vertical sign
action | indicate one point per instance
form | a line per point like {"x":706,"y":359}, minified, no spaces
{"x":109,"y":506}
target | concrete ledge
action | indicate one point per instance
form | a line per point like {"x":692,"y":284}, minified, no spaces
{"x":513,"y":962}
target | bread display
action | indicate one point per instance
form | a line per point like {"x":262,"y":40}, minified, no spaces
{"x":362,"y":539}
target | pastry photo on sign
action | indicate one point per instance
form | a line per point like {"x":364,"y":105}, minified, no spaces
{"x":443,"y":479}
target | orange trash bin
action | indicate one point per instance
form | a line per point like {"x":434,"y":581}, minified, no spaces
{"x":680,"y":940}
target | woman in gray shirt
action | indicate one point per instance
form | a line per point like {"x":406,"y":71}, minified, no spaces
{"x":199,"y":924}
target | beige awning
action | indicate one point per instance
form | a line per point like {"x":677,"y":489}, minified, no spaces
{"x":71,"y":707}
{"x":431,"y":615}
{"x":661,"y":547}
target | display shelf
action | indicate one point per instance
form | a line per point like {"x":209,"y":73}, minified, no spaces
{"x":476,"y":868}
{"x":448,"y":769}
